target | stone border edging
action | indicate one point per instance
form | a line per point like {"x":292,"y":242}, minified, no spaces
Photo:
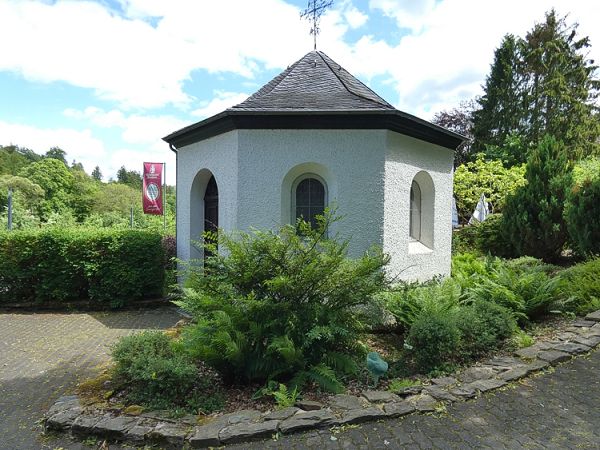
{"x":68,"y":415}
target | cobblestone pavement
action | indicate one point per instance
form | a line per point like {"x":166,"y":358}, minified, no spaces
{"x":556,"y":410}
{"x":43,"y":355}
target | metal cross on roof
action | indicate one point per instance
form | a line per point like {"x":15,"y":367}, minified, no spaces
{"x":313,"y":14}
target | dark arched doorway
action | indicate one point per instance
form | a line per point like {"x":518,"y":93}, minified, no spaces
{"x":211,"y":208}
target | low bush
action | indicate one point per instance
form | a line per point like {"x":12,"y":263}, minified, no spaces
{"x":483,"y":327}
{"x":109,"y":267}
{"x":282,"y":306}
{"x":154,"y":374}
{"x":433,"y":341}
{"x":579,"y":287}
{"x":582,"y":207}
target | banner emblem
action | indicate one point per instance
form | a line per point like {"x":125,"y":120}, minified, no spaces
{"x":152,"y":188}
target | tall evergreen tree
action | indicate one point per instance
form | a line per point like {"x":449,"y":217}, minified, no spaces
{"x":541,"y":85}
{"x":500,"y":112}
{"x":560,"y":85}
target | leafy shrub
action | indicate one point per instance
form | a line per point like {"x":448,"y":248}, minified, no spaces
{"x":483,"y":326}
{"x":579,"y":287}
{"x":279,"y":305}
{"x":485,"y":177}
{"x":464,"y":240}
{"x":582,"y":208}
{"x":433,"y":340}
{"x":153,"y":374}
{"x":110,"y":267}
{"x":407,"y":301}
{"x":533,"y":217}
{"x":491,"y":238}
{"x":521,"y":339}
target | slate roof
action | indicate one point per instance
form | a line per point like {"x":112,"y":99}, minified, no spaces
{"x":314,"y":93}
{"x":314,"y":83}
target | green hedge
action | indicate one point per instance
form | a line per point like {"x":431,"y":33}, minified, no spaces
{"x":108,"y":267}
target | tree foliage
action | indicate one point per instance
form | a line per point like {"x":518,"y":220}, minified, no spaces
{"x":533,"y":216}
{"x":542,"y":84}
{"x":459,"y":120}
{"x":582,"y":208}
{"x":485,"y":177}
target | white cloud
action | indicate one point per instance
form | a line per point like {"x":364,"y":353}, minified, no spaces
{"x":128,"y":60}
{"x":80,"y":145}
{"x":408,"y":13}
{"x":220,"y":102}
{"x":136,"y":128}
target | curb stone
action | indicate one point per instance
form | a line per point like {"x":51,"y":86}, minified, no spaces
{"x":68,"y":415}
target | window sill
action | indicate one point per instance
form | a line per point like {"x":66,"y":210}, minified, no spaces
{"x":417,"y":248}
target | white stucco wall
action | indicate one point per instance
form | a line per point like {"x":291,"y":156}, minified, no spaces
{"x":368,"y":174}
{"x":405,"y":158}
{"x":350,"y":161}
{"x":219,"y":156}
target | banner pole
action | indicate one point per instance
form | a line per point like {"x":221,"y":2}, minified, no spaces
{"x":165,"y":195}
{"x":9,"y":222}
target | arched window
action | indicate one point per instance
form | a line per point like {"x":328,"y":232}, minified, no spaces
{"x":415,"y":212}
{"x":308,"y":198}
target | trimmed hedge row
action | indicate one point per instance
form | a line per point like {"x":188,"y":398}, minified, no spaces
{"x":108,"y":267}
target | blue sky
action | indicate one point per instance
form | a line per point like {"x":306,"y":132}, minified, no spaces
{"x":106,"y":79}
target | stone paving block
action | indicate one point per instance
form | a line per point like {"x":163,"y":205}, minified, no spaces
{"x":444,"y":381}
{"x":463,"y":391}
{"x":423,"y":402}
{"x":380,"y":396}
{"x":169,"y":433}
{"x":572,"y":348}
{"x":514,"y":374}
{"x":591,"y":341}
{"x":477,"y":373}
{"x":63,"y":420}
{"x":137,"y":434}
{"x":84,"y":424}
{"x":115,"y":427}
{"x":281,"y":414}
{"x":248,"y":431}
{"x":398,"y":409}
{"x":504,"y":362}
{"x":309,"y":405}
{"x":440,"y":393}
{"x":487,"y":385}
{"x":361,"y":415}
{"x":207,"y":435}
{"x":583,"y":323}
{"x":553,"y":356}
{"x":307,"y":419}
{"x":241,"y":416}
{"x":531,"y":352}
{"x":593,"y":316}
{"x":347,"y":402}
{"x":538,"y":364}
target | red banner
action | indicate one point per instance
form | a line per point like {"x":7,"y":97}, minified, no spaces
{"x":152,"y":195}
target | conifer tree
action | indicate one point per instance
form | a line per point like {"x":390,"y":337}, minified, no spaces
{"x":541,"y":85}
{"x":533,"y":217}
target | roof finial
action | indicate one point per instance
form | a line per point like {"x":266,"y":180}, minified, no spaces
{"x":313,"y":13}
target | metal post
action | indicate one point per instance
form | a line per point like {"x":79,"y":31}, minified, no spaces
{"x":131,"y":217}
{"x":9,"y":225}
{"x":165,"y":196}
